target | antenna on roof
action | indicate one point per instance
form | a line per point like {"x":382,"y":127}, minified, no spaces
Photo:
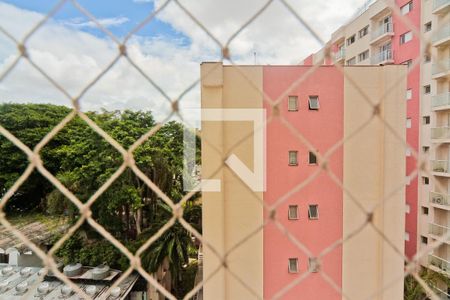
{"x":254,"y":54}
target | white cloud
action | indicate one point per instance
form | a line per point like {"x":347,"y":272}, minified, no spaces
{"x":73,"y":57}
{"x":106,"y":22}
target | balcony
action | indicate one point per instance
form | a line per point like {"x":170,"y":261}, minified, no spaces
{"x":440,"y":168}
{"x":439,"y":231}
{"x":339,"y":56}
{"x":440,"y":264}
{"x":441,"y":6}
{"x":441,"y":69}
{"x":382,"y":58}
{"x":440,"y":102}
{"x":439,"y":199}
{"x":382,"y":33}
{"x":440,"y":135}
{"x":441,"y":35}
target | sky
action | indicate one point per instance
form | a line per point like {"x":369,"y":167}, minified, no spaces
{"x":169,"y":49}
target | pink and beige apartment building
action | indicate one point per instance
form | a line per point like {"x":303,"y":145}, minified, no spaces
{"x":332,"y":175}
{"x":380,"y":36}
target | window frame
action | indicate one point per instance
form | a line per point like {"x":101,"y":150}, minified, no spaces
{"x":403,"y":36}
{"x":310,"y":98}
{"x":409,"y":94}
{"x":410,"y":7}
{"x":425,"y":180}
{"x":427,"y":89}
{"x":290,"y":217}
{"x":426,"y":120}
{"x":313,"y":265}
{"x":295,"y":98}
{"x":351,"y":40}
{"x":363,"y":32}
{"x":351,"y":61}
{"x":310,"y":217}
{"x":365,"y":55}
{"x":293,"y":259}
{"x":428,"y":26}
{"x":313,"y":155}
{"x":296,"y":158}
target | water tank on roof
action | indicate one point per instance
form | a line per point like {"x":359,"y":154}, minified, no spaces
{"x":6,"y":271}
{"x":91,"y":290}
{"x":66,"y":291}
{"x":115,"y":292}
{"x":25,"y":272}
{"x":22,"y":287}
{"x":73,"y":270}
{"x":100,"y":272}
{"x":43,"y":288}
{"x":4,"y":285}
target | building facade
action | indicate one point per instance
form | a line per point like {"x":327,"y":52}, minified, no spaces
{"x":285,"y":240}
{"x":379,"y":36}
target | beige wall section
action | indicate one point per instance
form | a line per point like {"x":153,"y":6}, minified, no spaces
{"x":374,"y":167}
{"x":226,"y":223}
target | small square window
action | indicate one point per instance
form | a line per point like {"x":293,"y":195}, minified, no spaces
{"x":351,"y":61}
{"x":407,"y":208}
{"x":424,"y":210}
{"x":293,"y":265}
{"x":363,"y":32}
{"x":313,"y":265}
{"x":423,"y":239}
{"x":428,"y":26}
{"x":351,"y":40}
{"x":293,"y":212}
{"x":313,"y":102}
{"x":406,"y":37}
{"x":292,"y":103}
{"x":425,"y":149}
{"x":313,"y":212}
{"x":408,"y":151}
{"x":426,"y":57}
{"x":408,"y":94}
{"x":363,"y":56}
{"x":426,"y":120}
{"x":407,"y":180}
{"x":405,"y":9}
{"x":425,"y":180}
{"x":408,"y":123}
{"x":312,"y":160}
{"x":407,"y":236}
{"x":293,"y":161}
{"x":427,"y":89}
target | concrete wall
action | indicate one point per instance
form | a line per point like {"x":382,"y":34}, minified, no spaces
{"x":374,"y":167}
{"x":232,"y":214}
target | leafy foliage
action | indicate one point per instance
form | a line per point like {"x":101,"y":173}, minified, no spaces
{"x":83,"y":161}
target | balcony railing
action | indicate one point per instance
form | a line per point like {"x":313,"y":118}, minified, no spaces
{"x":340,"y":54}
{"x":440,"y":133}
{"x":383,"y":29}
{"x":439,"y":198}
{"x":440,"y":166}
{"x":440,"y":100}
{"x":439,"y":263}
{"x":442,"y":66}
{"x":440,"y":3}
{"x":437,"y":230}
{"x":443,"y":32}
{"x":382,"y":56}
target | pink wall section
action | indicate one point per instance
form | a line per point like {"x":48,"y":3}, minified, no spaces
{"x":323,"y":128}
{"x":308,"y":61}
{"x":402,"y":53}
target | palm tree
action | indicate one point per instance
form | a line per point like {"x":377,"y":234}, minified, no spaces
{"x":169,"y":255}
{"x":414,"y":291}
